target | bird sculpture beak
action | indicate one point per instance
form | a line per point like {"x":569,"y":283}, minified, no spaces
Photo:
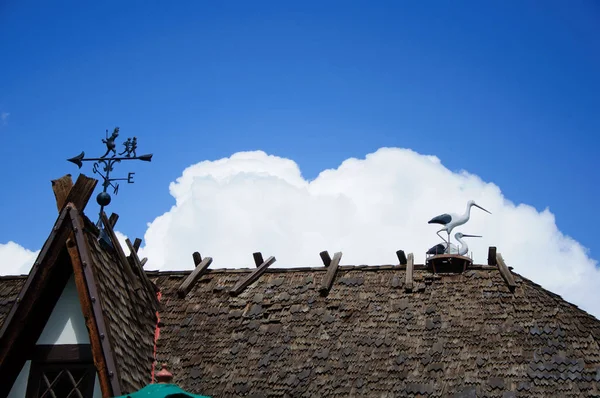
{"x":475,"y":204}
{"x":472,"y":236}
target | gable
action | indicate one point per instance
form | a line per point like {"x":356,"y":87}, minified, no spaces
{"x":81,"y":290}
{"x":64,"y":254}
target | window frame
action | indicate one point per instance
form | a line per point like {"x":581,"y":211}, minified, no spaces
{"x":55,"y":357}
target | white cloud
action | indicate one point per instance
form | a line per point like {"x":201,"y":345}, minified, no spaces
{"x":15,"y":259}
{"x":4,"y":117}
{"x":367,"y":208}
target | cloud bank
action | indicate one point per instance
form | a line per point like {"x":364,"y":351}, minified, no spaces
{"x":366,"y":208}
{"x":15,"y":259}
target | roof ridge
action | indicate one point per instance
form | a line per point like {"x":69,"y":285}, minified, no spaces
{"x":365,"y":267}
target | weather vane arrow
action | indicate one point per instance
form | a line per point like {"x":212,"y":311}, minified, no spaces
{"x":104,"y":165}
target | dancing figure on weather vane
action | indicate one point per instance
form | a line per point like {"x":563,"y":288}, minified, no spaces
{"x":104,"y":165}
{"x":130,"y":147}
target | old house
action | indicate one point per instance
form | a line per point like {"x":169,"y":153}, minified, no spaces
{"x":89,"y":318}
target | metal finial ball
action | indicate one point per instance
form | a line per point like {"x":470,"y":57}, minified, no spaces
{"x":103,"y":199}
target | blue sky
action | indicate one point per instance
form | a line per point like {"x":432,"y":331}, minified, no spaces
{"x":508,"y":90}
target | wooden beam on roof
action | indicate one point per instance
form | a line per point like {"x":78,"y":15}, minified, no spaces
{"x":136,"y":244}
{"x":330,"y":275}
{"x":258,"y":259}
{"x":94,"y":321}
{"x":139,"y":267}
{"x":201,"y":267}
{"x":81,"y":192}
{"x":410,"y":265}
{"x":114,"y":217}
{"x":61,"y":188}
{"x":144,"y":261}
{"x":401,"y":257}
{"x":492,"y":255}
{"x":505,"y":272}
{"x":82,"y":261}
{"x":253,"y":277}
{"x":118,"y":249}
{"x":325,"y":258}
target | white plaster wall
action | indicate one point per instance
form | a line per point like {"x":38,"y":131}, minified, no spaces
{"x":97,"y":390}
{"x":19,"y":388}
{"x":66,"y":324}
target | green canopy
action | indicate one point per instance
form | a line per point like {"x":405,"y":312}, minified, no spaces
{"x":161,"y":391}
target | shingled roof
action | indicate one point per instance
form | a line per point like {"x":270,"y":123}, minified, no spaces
{"x":10,"y":286}
{"x":462,"y":334}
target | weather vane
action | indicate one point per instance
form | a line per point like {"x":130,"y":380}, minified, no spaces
{"x":104,"y":165}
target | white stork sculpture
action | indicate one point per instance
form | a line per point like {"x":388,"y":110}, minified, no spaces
{"x":462,"y":250}
{"x":451,"y":221}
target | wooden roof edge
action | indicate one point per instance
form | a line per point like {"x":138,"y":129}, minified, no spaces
{"x":85,"y":280}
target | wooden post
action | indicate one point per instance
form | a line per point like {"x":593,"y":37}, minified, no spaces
{"x":492,"y":255}
{"x":410,"y":264}
{"x":330,"y":275}
{"x":81,"y":192}
{"x":61,"y":188}
{"x":78,"y":194}
{"x":114,"y":217}
{"x":136,"y":244}
{"x":258,"y":259}
{"x":325,"y":258}
{"x":253,"y":277}
{"x":401,"y":257}
{"x":505,"y":272}
{"x":190,"y":281}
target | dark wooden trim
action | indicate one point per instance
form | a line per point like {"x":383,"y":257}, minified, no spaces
{"x":325,"y":257}
{"x":258,"y":259}
{"x":136,"y":244}
{"x":37,"y":367}
{"x":63,"y":353}
{"x":92,"y":310}
{"x":401,"y":257}
{"x":253,"y":277}
{"x":410,"y":263}
{"x":112,"y":220}
{"x":492,"y":255}
{"x":505,"y":272}
{"x":330,"y":275}
{"x":27,"y":324}
{"x":191,"y":280}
